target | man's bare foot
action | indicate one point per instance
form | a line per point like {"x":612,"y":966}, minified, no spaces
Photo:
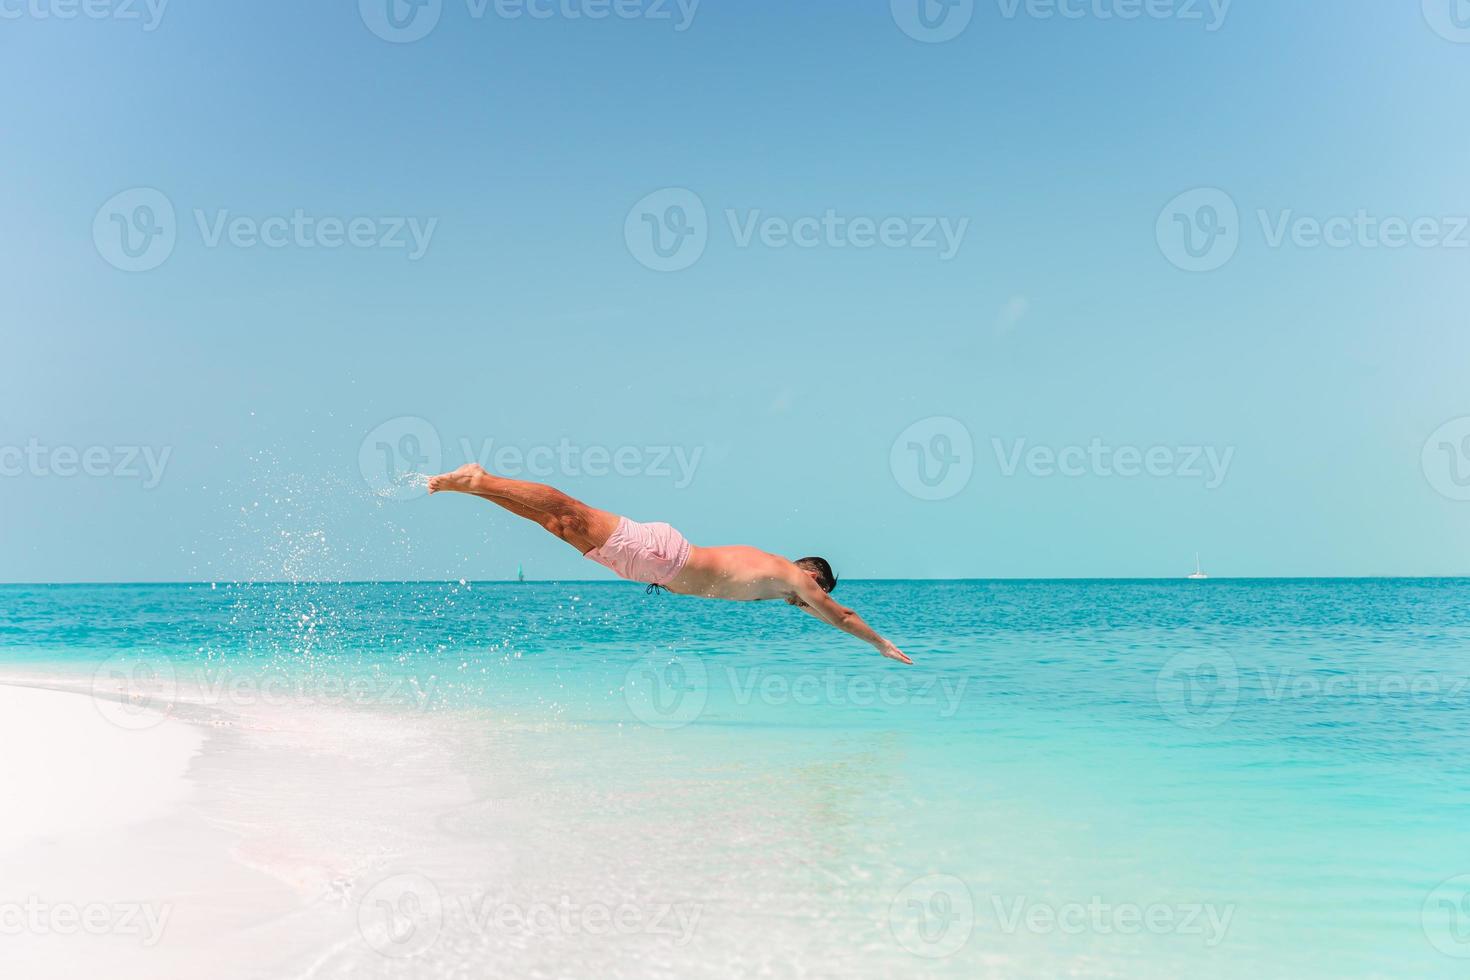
{"x":459,"y":480}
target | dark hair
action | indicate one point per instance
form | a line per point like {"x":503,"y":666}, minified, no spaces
{"x":826,"y":578}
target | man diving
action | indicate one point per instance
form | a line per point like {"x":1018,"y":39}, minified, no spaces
{"x":658,"y":555}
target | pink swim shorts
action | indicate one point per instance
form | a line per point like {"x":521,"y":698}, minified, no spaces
{"x":649,"y":553}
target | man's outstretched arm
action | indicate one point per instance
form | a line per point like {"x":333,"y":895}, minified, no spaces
{"x":825,"y":608}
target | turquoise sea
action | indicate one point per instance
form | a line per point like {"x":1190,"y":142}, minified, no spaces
{"x":1115,"y":779}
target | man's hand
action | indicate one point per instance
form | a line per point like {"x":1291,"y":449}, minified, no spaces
{"x":894,"y":653}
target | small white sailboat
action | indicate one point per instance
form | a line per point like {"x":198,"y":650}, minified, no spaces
{"x":1198,"y":573}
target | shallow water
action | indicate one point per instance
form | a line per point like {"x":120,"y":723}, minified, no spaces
{"x":1140,"y":779}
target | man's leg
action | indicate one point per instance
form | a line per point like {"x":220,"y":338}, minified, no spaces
{"x":580,"y":526}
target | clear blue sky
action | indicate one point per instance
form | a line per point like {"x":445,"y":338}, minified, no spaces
{"x":530,"y":320}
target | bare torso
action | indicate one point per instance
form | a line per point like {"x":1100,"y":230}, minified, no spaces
{"x":735,"y":572}
{"x":747,"y":574}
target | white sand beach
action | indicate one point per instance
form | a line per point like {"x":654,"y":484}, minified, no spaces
{"x":74,"y":772}
{"x":138,"y":845}
{"x":203,"y":829}
{"x":101,"y":850}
